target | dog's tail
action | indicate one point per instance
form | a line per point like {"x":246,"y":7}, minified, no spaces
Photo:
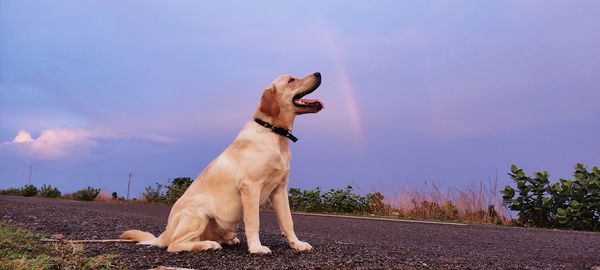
{"x":143,"y":238}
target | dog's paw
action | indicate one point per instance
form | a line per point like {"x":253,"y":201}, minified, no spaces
{"x":231,"y":242}
{"x":212,"y":245}
{"x":259,"y":250}
{"x":206,"y":245}
{"x":300,"y":246}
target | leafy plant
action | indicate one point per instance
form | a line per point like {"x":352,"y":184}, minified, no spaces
{"x":86,"y":194}
{"x":345,"y":201}
{"x":578,"y":201}
{"x":534,"y":206}
{"x":12,"y":192}
{"x":571,"y":204}
{"x":49,"y":192}
{"x":154,"y":195}
{"x":176,"y":188}
{"x":306,"y":200}
{"x":29,"y":191}
{"x":336,"y":201}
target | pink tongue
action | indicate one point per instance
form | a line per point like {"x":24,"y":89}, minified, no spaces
{"x":313,"y":101}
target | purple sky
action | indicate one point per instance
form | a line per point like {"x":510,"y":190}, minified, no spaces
{"x":451,"y":92}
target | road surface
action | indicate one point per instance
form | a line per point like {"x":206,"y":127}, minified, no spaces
{"x":339,"y":243}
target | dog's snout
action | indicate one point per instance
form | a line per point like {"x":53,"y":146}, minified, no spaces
{"x":317,"y":74}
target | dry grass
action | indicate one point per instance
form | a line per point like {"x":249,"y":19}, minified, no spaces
{"x":103,"y":197}
{"x":479,"y":203}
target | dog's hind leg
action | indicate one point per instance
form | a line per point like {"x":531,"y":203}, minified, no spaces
{"x":186,"y":236}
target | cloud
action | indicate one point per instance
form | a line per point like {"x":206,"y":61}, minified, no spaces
{"x":61,"y":143}
{"x":22,"y":137}
{"x":157,"y":138}
{"x":114,"y":134}
{"x":51,"y":144}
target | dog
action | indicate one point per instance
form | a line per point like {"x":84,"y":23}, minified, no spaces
{"x":231,"y":188}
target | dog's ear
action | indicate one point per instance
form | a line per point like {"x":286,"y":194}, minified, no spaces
{"x":268,"y":102}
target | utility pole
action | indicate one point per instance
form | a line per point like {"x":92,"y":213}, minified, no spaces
{"x":30,"y":168}
{"x":129,"y":185}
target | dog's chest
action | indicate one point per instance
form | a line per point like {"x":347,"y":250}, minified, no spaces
{"x":277,"y":169}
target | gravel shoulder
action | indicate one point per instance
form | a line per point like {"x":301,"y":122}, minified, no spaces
{"x":339,"y":243}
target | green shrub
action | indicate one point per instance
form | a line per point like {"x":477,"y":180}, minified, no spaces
{"x":306,"y":200}
{"x":86,"y":194}
{"x":336,"y":201}
{"x":29,"y":190}
{"x":176,"y":188}
{"x":569,"y":204}
{"x":345,"y":201}
{"x":49,"y":192}
{"x":12,"y":192}
{"x":295,"y":198}
{"x":154,"y":195}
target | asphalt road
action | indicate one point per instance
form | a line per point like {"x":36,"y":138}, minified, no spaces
{"x":339,"y":243}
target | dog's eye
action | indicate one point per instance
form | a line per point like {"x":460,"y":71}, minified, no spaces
{"x":291,"y":80}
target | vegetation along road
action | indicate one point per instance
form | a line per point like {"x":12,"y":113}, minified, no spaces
{"x":338,"y":242}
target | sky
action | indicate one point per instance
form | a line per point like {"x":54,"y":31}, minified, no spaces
{"x":415,"y":92}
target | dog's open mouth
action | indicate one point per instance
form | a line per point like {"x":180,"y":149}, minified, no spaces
{"x":299,"y":101}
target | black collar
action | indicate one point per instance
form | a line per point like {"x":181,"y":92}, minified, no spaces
{"x":281,"y":131}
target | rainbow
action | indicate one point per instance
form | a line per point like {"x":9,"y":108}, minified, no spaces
{"x":346,"y":85}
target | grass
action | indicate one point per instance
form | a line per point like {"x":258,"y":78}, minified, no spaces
{"x":103,"y":197}
{"x":20,"y":249}
{"x":479,"y":204}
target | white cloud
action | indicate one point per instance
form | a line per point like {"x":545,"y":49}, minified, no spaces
{"x":22,"y":137}
{"x":51,"y":144}
{"x":63,"y":142}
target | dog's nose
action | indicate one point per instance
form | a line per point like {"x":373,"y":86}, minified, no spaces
{"x":317,"y":74}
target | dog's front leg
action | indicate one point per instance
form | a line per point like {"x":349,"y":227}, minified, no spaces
{"x":250,"y":202}
{"x":281,"y":205}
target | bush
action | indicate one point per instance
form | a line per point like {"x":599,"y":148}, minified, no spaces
{"x":114,"y":195}
{"x":174,"y":190}
{"x":49,"y":192}
{"x":12,"y":192}
{"x":344,"y":201}
{"x":569,"y":204}
{"x":177,"y":187}
{"x":306,"y":200}
{"x":86,"y":194}
{"x":29,"y":191}
{"x":154,"y":195}
{"x":337,"y":201}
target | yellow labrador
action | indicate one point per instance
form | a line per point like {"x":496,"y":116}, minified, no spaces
{"x":253,"y":168}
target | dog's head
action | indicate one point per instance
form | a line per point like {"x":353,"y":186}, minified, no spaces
{"x":283,"y":99}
